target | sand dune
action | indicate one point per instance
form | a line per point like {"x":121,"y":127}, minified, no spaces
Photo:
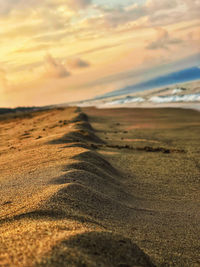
{"x":49,"y":219}
{"x":78,"y":190}
{"x":103,"y":249}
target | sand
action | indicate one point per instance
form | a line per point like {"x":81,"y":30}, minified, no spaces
{"x":100,"y":188}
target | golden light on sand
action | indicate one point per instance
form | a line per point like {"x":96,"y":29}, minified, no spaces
{"x":72,"y":196}
{"x":99,"y":133}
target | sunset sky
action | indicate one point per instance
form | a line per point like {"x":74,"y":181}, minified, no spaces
{"x":57,"y":51}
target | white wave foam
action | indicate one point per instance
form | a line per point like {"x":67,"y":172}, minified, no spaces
{"x":175,"y":98}
{"x":127,"y":100}
{"x":176,"y":91}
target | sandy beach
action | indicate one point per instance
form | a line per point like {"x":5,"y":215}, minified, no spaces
{"x":100,"y":187}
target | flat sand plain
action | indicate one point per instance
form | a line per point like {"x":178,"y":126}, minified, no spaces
{"x":110,"y":188}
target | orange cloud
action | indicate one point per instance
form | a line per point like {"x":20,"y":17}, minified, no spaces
{"x":77,"y":63}
{"x":54,"y":68}
{"x":78,"y":4}
{"x":163,"y":40}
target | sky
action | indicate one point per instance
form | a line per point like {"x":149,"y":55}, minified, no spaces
{"x":58,"y":51}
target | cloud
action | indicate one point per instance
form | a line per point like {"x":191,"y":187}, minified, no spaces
{"x":54,"y":69}
{"x":152,"y":10}
{"x":166,"y":12}
{"x":114,"y":17}
{"x":163,"y":40}
{"x":108,"y":33}
{"x":75,"y":63}
{"x":157,"y":13}
{"x":78,"y":4}
{"x":193,"y":7}
{"x":157,"y":5}
{"x":9,"y":5}
{"x":192,"y":4}
{"x":35,"y":48}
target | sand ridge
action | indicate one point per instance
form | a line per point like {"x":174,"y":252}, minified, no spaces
{"x":83,"y":192}
{"x":162,"y":177}
{"x":68,"y":217}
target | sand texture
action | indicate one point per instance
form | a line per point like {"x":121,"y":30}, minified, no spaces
{"x":100,"y":188}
